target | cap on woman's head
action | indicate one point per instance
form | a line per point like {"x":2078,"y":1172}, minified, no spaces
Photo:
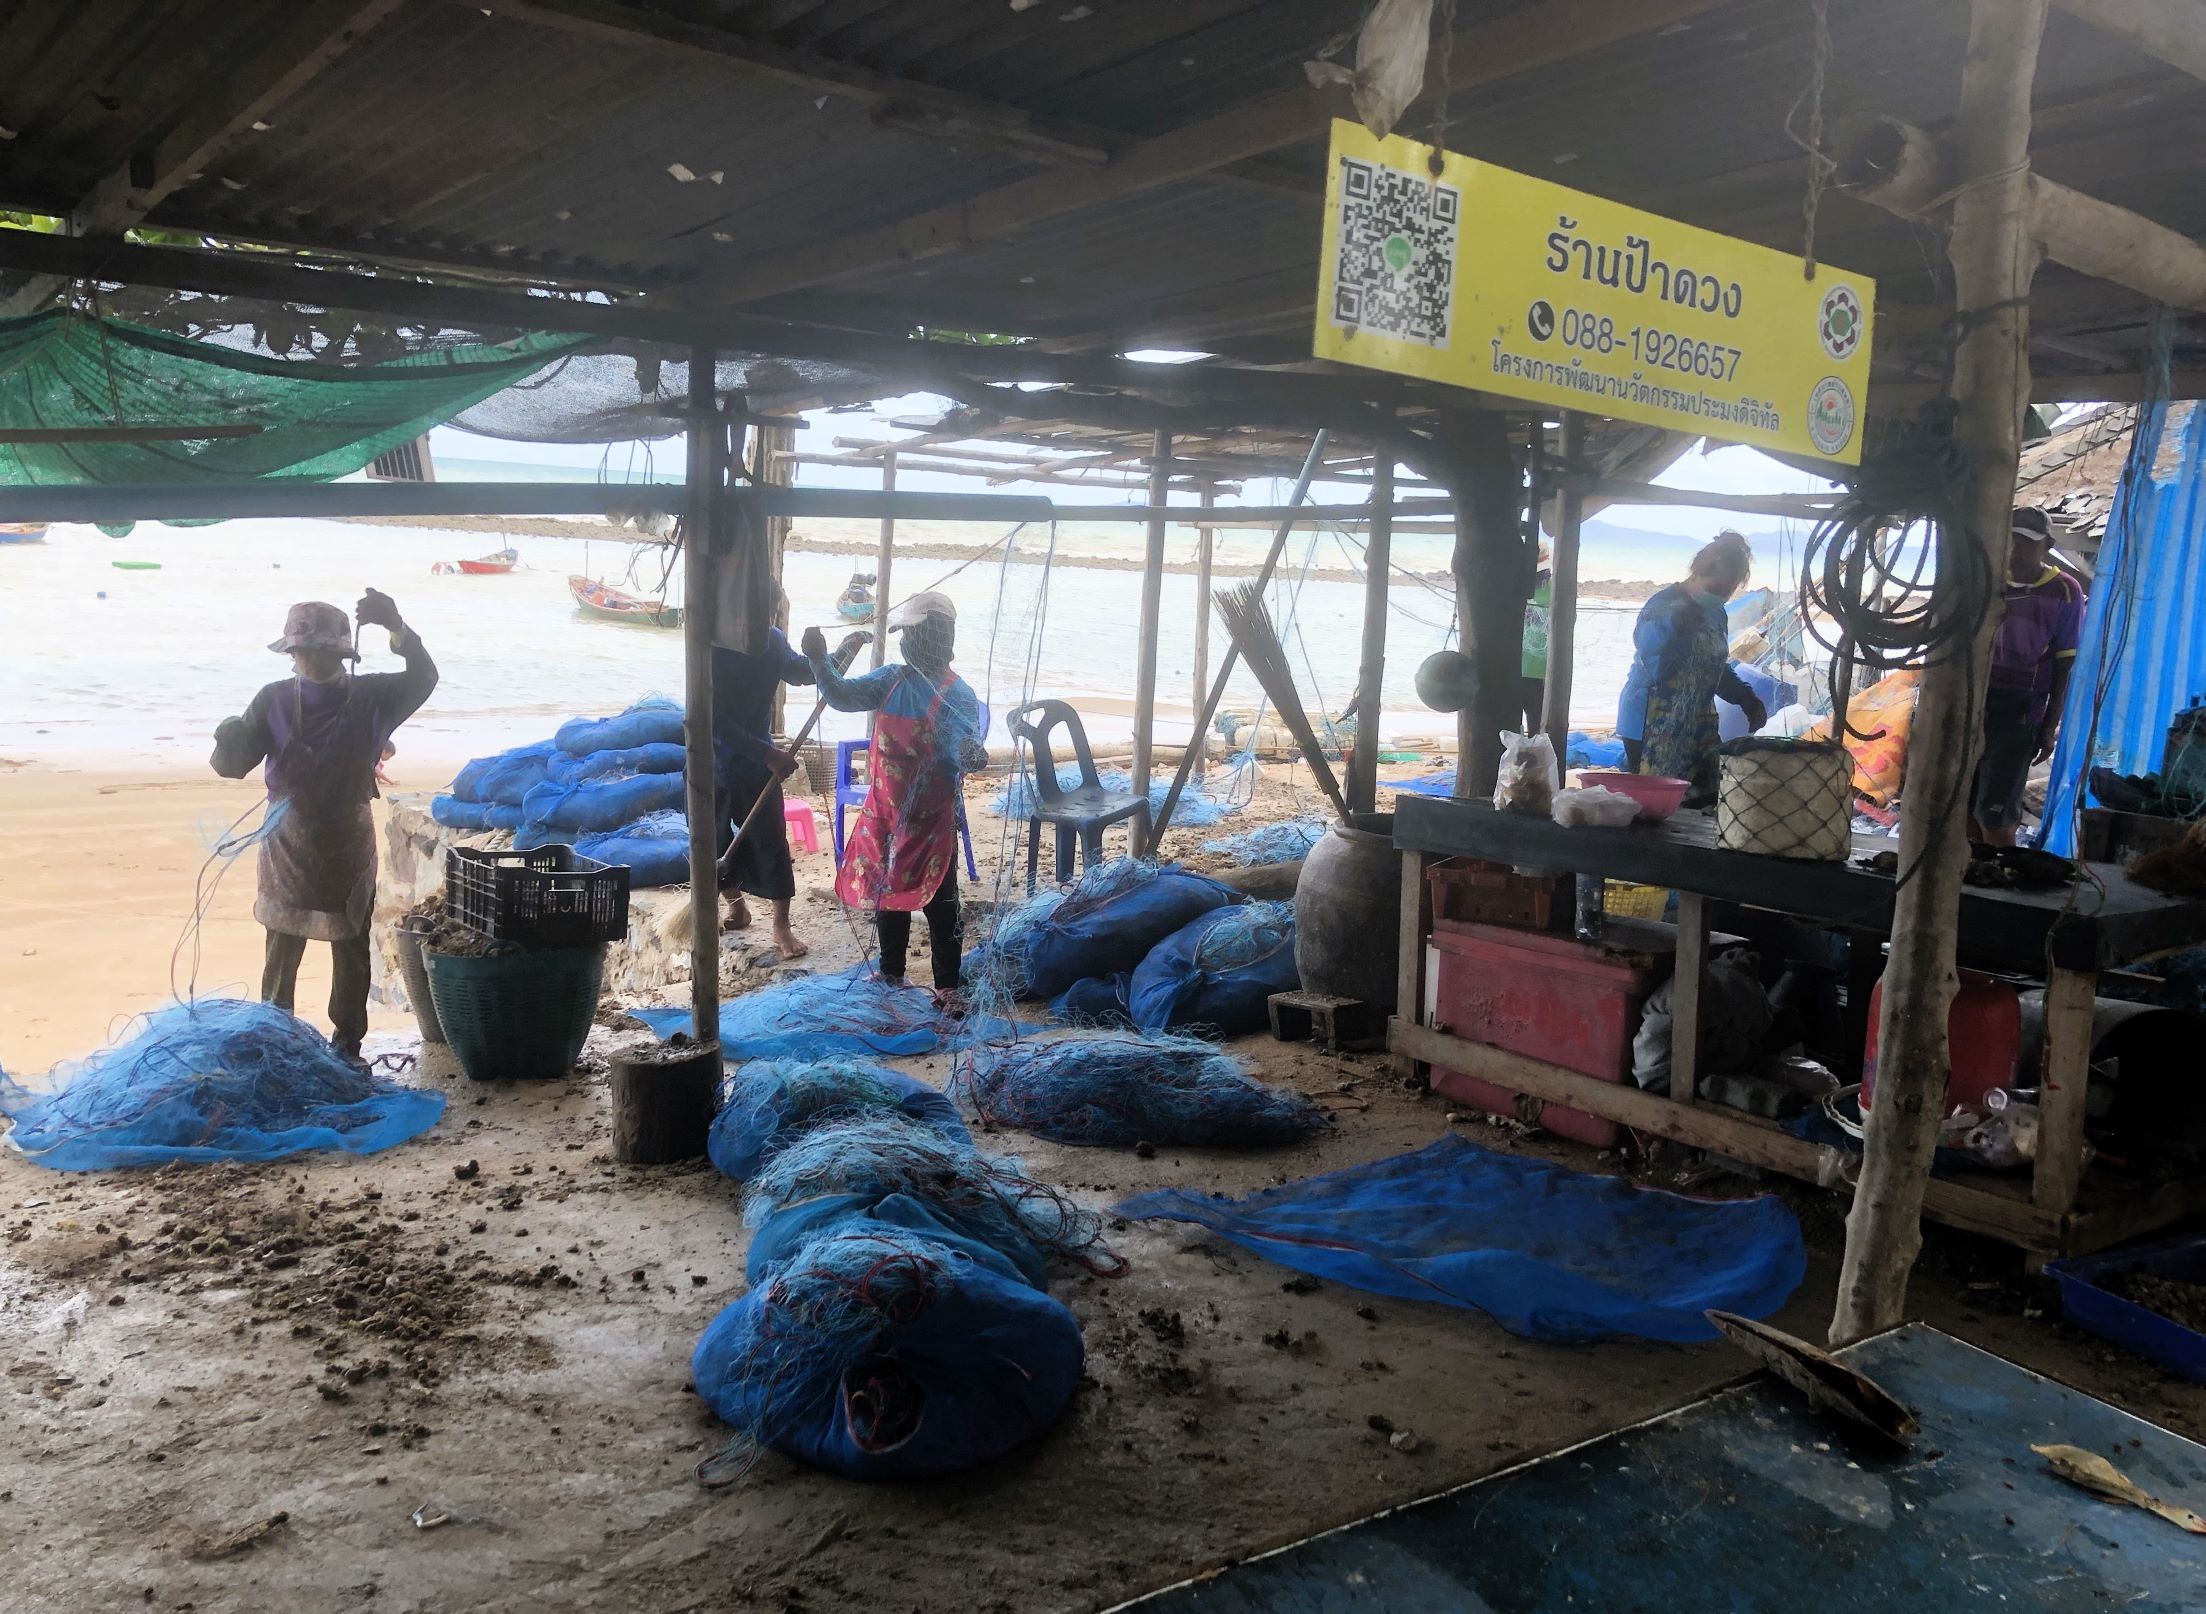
{"x":313,"y":625}
{"x":930,"y":602}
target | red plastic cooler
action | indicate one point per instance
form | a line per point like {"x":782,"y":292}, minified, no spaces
{"x":1548,"y":997}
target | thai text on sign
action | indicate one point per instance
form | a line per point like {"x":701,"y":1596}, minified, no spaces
{"x":1489,"y":279}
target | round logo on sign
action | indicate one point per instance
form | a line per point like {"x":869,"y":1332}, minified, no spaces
{"x":1839,"y":325}
{"x":1830,"y":415}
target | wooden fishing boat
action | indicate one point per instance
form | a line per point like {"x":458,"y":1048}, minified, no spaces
{"x":22,"y":532}
{"x":593,"y":598}
{"x":855,"y":603}
{"x":492,"y":565}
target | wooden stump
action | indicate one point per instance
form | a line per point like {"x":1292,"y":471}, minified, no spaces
{"x":663,"y":1102}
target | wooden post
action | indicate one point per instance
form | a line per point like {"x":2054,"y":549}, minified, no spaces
{"x":775,"y":465}
{"x":884,"y":559}
{"x":701,"y":611}
{"x":1489,"y":587}
{"x":1562,"y":620}
{"x":2071,"y":1000}
{"x":1205,"y":550}
{"x":1687,"y":977}
{"x":1409,"y":966}
{"x":1152,"y":603}
{"x":1363,"y":772}
{"x":1993,"y":258}
{"x":661,"y":1102}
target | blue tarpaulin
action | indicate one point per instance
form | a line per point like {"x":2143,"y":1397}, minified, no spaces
{"x":1547,"y":1252}
{"x":817,"y":1016}
{"x":2143,"y":655}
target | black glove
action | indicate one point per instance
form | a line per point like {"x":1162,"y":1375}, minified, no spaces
{"x":814,"y":644}
{"x":377,"y":609}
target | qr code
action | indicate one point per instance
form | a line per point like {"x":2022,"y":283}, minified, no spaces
{"x":1394,"y":274}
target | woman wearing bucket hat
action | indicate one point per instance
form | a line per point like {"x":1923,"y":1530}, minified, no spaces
{"x":901,"y":855}
{"x":321,"y":734}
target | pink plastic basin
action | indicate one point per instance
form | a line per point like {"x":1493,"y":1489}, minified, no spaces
{"x":1657,"y":794}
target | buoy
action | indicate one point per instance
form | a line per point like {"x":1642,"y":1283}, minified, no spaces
{"x":1444,"y":680}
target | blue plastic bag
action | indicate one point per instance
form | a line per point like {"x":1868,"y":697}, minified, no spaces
{"x":454,"y":813}
{"x":506,"y":777}
{"x":1096,"y":1001}
{"x":888,"y":1355}
{"x":1218,"y":973}
{"x":564,"y":769}
{"x":1547,"y":1252}
{"x":601,"y":804}
{"x":769,"y":1101}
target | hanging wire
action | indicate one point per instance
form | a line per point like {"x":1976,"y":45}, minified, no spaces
{"x":1807,"y":134}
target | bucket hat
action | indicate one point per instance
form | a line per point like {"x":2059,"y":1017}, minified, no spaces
{"x":313,"y":625}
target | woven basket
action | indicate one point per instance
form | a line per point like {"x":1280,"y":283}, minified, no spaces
{"x":516,"y":1016}
{"x":1785,"y":798}
{"x":415,"y":973}
{"x":819,"y":765}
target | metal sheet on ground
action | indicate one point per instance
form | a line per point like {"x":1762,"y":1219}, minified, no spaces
{"x":1749,"y":1501}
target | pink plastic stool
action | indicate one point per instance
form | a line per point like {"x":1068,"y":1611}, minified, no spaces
{"x":804,"y":827}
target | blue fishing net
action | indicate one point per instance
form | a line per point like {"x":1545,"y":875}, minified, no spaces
{"x":784,"y":1235}
{"x":453,"y":813}
{"x":600,"y":804}
{"x":1547,"y":1252}
{"x":767,"y":1102}
{"x":1106,"y":924}
{"x":506,"y":777}
{"x":661,"y":758}
{"x":1197,"y":807}
{"x":654,"y":720}
{"x":884,"y":1354}
{"x":655,"y":849}
{"x":817,"y":1016}
{"x":1218,"y":972}
{"x":1123,"y":1088}
{"x":211,"y":1079}
{"x":1270,"y":843}
{"x":882,"y":1154}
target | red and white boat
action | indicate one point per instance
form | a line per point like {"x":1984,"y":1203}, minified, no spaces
{"x":492,"y":565}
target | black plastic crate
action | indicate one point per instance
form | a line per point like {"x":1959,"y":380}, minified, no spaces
{"x":549,"y":897}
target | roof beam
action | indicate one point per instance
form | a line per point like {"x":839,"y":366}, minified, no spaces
{"x":1534,"y":37}
{"x":897,"y":103}
{"x":313,"y":34}
{"x":2172,"y":31}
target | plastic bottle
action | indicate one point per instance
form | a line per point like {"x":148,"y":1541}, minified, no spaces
{"x":1591,"y":922}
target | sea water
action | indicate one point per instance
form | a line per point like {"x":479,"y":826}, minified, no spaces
{"x":135,"y":668}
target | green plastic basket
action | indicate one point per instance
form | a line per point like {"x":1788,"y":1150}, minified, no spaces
{"x":516,"y":1016}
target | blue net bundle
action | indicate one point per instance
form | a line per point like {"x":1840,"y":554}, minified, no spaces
{"x":600,"y":804}
{"x":664,"y":757}
{"x":885,"y":1354}
{"x":1197,"y":808}
{"x":1218,"y":972}
{"x":454,"y":813}
{"x":1106,"y":924}
{"x":883,"y":1154}
{"x":1270,"y":843}
{"x":816,"y":1016}
{"x":654,"y":720}
{"x":1121,"y":1088}
{"x":211,"y":1079}
{"x":767,"y":1102}
{"x":655,"y":848}
{"x":507,"y":777}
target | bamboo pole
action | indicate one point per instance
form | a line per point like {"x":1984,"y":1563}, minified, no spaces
{"x":1363,"y":773}
{"x":1152,"y":602}
{"x":1206,"y":543}
{"x":884,"y":557}
{"x":1993,"y":258}
{"x":1562,"y":590}
{"x":699,"y":616}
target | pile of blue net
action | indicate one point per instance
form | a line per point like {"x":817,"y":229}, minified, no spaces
{"x":817,"y":1016}
{"x":211,"y":1079}
{"x":1217,"y":973}
{"x":1197,"y":807}
{"x":767,"y":1102}
{"x":1103,"y":926}
{"x":612,"y":787}
{"x":1270,"y":843}
{"x":1123,"y":1088}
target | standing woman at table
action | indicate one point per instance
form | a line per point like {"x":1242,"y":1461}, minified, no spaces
{"x":1666,"y":716}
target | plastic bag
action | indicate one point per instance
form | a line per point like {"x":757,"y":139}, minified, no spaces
{"x":1528,"y":779}
{"x":1605,"y":809}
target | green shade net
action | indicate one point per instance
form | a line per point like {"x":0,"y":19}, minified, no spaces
{"x":317,"y":421}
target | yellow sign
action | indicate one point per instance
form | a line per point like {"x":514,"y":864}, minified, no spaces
{"x":1494,"y":280}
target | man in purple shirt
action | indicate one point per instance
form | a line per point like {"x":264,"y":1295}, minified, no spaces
{"x":321,"y":734}
{"x":2032,"y":656}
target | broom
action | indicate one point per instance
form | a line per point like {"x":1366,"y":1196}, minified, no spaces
{"x":1241,"y":608}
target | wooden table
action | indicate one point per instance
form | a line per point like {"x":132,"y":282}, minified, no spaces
{"x":2066,"y":936}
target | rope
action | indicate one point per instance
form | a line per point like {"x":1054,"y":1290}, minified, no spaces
{"x":1443,"y":55}
{"x":1821,"y":166}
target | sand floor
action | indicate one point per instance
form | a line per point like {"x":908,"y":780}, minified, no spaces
{"x":494,"y":1322}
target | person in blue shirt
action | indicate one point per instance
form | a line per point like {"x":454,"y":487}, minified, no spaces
{"x":1666,"y":716}
{"x":901,"y":855}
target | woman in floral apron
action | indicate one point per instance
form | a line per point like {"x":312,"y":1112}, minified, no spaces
{"x":901,"y":855}
{"x":1666,"y":716}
